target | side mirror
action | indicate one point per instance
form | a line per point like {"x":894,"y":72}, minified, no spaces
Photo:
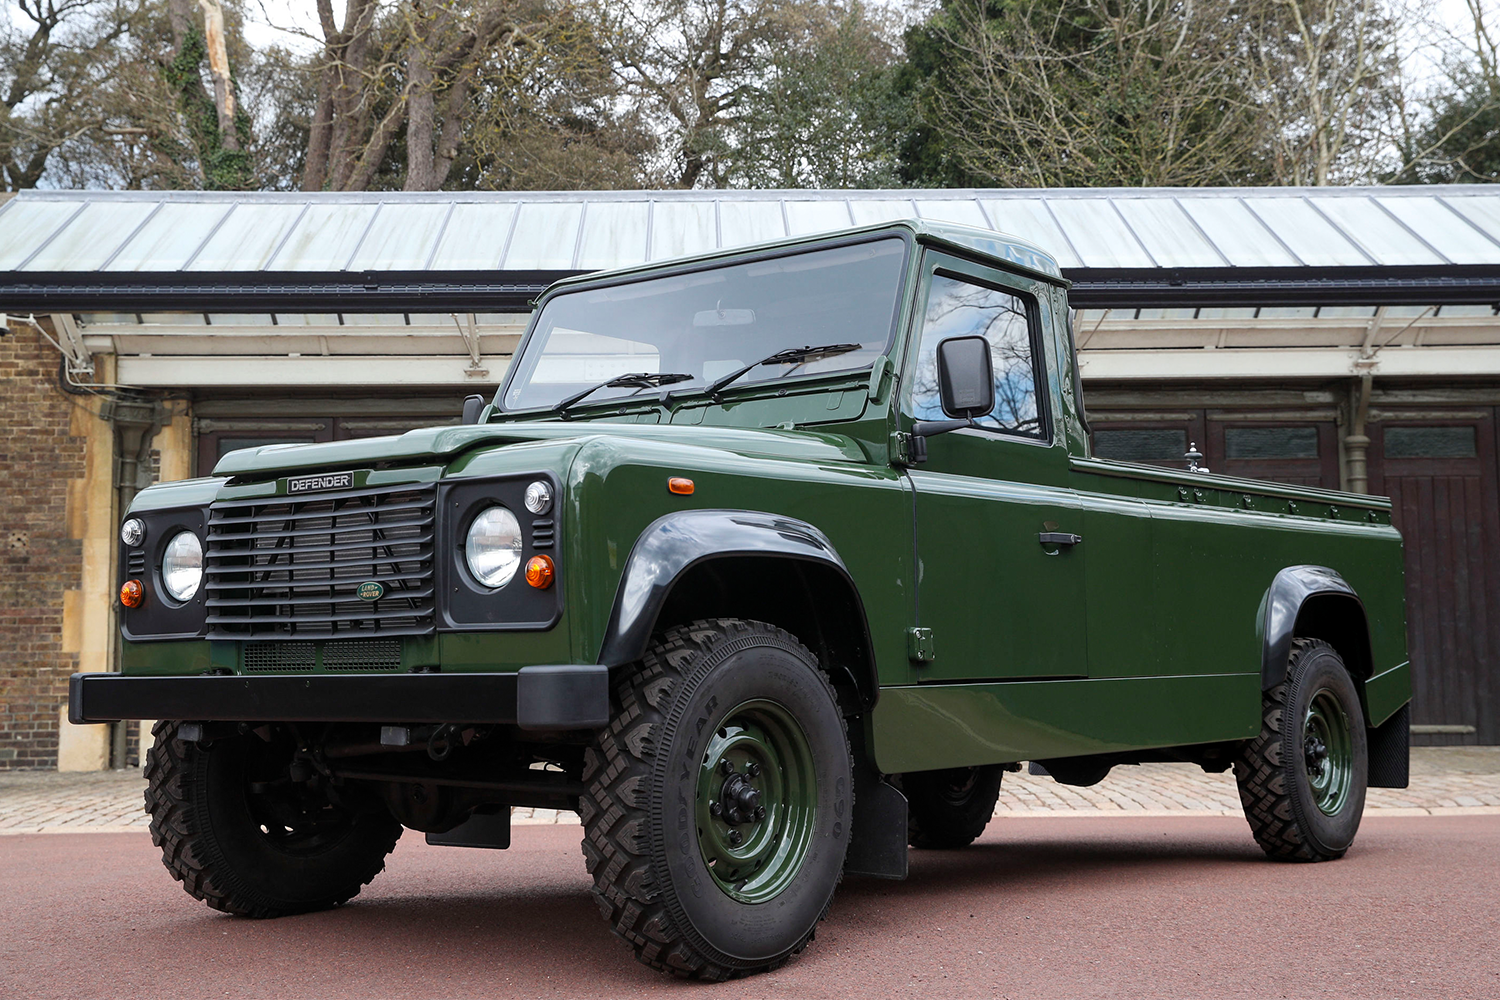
{"x":966,"y":387}
{"x":966,"y":377}
{"x":473,"y":407}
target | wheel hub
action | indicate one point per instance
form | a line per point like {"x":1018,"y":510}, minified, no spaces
{"x":1315,"y":752}
{"x":1328,"y":752}
{"x":757,"y":796}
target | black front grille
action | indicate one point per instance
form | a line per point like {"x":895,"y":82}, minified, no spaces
{"x":292,"y":567}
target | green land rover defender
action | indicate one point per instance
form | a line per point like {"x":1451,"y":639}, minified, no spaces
{"x":769,"y":563}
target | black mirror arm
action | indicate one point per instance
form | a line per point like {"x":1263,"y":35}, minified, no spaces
{"x":927,"y":428}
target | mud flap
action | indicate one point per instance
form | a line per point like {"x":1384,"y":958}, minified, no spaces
{"x":1390,"y":751}
{"x":879,"y":827}
{"x":488,"y":826}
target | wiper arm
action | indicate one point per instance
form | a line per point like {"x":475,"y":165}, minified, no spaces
{"x":630,"y":380}
{"x":792,"y":354}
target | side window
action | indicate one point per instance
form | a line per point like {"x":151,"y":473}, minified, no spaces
{"x":958,"y":308}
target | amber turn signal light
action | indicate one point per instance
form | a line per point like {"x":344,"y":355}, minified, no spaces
{"x":539,"y":572}
{"x":679,"y":485}
{"x":132,"y":594}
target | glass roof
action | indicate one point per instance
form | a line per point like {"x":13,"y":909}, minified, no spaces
{"x":1144,"y":228}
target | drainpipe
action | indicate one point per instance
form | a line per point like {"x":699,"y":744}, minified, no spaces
{"x":135,"y":423}
{"x":1356,"y":442}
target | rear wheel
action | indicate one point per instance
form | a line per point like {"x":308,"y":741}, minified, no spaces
{"x":717,"y":812}
{"x":240,"y":834}
{"x":1302,"y":781}
{"x":949,"y":808}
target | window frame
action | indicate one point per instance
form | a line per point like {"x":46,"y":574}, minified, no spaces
{"x":937,"y":264}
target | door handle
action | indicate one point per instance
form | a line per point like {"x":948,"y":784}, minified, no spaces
{"x":1058,"y":538}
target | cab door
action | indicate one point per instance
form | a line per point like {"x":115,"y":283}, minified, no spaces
{"x":998,"y":535}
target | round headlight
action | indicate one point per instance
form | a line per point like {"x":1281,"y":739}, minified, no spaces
{"x":182,"y":566}
{"x":493,"y":548}
{"x":133,"y":531}
{"x":538,"y":497}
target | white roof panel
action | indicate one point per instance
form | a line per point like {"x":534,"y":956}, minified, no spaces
{"x":1376,"y":232}
{"x":1099,"y":234}
{"x":804,"y":217}
{"x":1167,"y":232}
{"x":1029,"y":219}
{"x":683,"y":228}
{"x":326,"y":237}
{"x":1141,"y":228}
{"x":25,"y":225}
{"x":744,"y":222}
{"x":614,"y":234}
{"x":89,"y":240}
{"x":546,"y":237}
{"x":248,"y":238}
{"x":1309,"y":235}
{"x":401,"y":238}
{"x":1237,"y":233}
{"x":169,"y":238}
{"x":475,"y":236}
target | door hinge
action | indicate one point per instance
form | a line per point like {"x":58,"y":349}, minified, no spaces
{"x":920,"y":645}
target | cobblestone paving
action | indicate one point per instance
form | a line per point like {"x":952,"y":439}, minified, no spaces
{"x":1444,"y":781}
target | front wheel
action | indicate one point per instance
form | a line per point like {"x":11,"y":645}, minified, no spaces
{"x":1302,"y":781}
{"x":242,"y":835}
{"x":716,"y":816}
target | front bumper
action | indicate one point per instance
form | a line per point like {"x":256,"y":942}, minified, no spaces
{"x":535,"y":698}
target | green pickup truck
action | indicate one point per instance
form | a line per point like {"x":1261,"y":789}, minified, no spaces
{"x":770,"y":563}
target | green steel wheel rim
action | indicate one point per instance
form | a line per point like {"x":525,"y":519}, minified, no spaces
{"x":756,"y":801}
{"x":1328,"y":752}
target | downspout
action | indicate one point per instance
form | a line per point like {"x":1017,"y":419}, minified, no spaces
{"x":1357,"y":442}
{"x":135,"y":423}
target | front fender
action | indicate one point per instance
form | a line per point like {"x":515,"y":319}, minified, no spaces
{"x":673,"y":543}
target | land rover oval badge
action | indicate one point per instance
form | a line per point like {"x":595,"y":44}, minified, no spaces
{"x":370,"y":591}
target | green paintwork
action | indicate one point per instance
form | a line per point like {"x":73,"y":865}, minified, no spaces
{"x":1328,"y":752}
{"x":1146,"y":634}
{"x":760,"y":748}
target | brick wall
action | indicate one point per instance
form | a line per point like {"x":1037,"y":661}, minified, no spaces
{"x":38,"y":458}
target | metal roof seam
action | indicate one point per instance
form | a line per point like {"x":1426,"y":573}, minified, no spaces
{"x":1271,"y":230}
{"x":650,"y":225}
{"x":510,"y":235}
{"x":1414,"y":234}
{"x":437,"y":241}
{"x":1133,"y":234}
{"x":583,"y":221}
{"x":52,"y":236}
{"x":281,"y":244}
{"x":1348,"y":236}
{"x":212,"y":231}
{"x":1063,"y":230}
{"x":786,"y":221}
{"x":1201,"y":231}
{"x":369,"y":228}
{"x":131,"y":235}
{"x":1466,"y":220}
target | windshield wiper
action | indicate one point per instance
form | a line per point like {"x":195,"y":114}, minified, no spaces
{"x":630,"y":380}
{"x":800,"y":355}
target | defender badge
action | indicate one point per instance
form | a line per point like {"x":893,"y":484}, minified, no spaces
{"x":370,"y":591}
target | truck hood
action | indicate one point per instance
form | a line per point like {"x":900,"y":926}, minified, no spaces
{"x":446,"y":442}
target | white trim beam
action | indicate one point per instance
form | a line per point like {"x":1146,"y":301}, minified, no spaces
{"x":324,"y":371}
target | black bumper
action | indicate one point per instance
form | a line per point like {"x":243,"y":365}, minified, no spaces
{"x":542,"y":697}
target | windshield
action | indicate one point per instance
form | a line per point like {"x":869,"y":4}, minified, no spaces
{"x":709,"y":323}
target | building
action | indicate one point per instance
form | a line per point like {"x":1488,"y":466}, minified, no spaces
{"x":1346,"y":338}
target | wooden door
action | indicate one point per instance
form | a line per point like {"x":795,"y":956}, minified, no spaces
{"x":1301,"y":453}
{"x":1440,"y":473}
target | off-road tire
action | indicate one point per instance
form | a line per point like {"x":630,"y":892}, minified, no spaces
{"x":948,"y":809}
{"x":211,"y":843}
{"x":1272,"y":769}
{"x":642,"y":837}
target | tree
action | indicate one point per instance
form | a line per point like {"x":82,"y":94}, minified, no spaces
{"x":1327,"y":77}
{"x":49,"y":67}
{"x":751,"y":91}
{"x":1081,"y":92}
{"x":1458,"y":139}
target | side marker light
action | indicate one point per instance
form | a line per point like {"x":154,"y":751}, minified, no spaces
{"x":132,"y":594}
{"x":539,"y":572}
{"x":681,"y":486}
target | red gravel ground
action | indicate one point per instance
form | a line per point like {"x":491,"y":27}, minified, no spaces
{"x":1039,"y":908}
